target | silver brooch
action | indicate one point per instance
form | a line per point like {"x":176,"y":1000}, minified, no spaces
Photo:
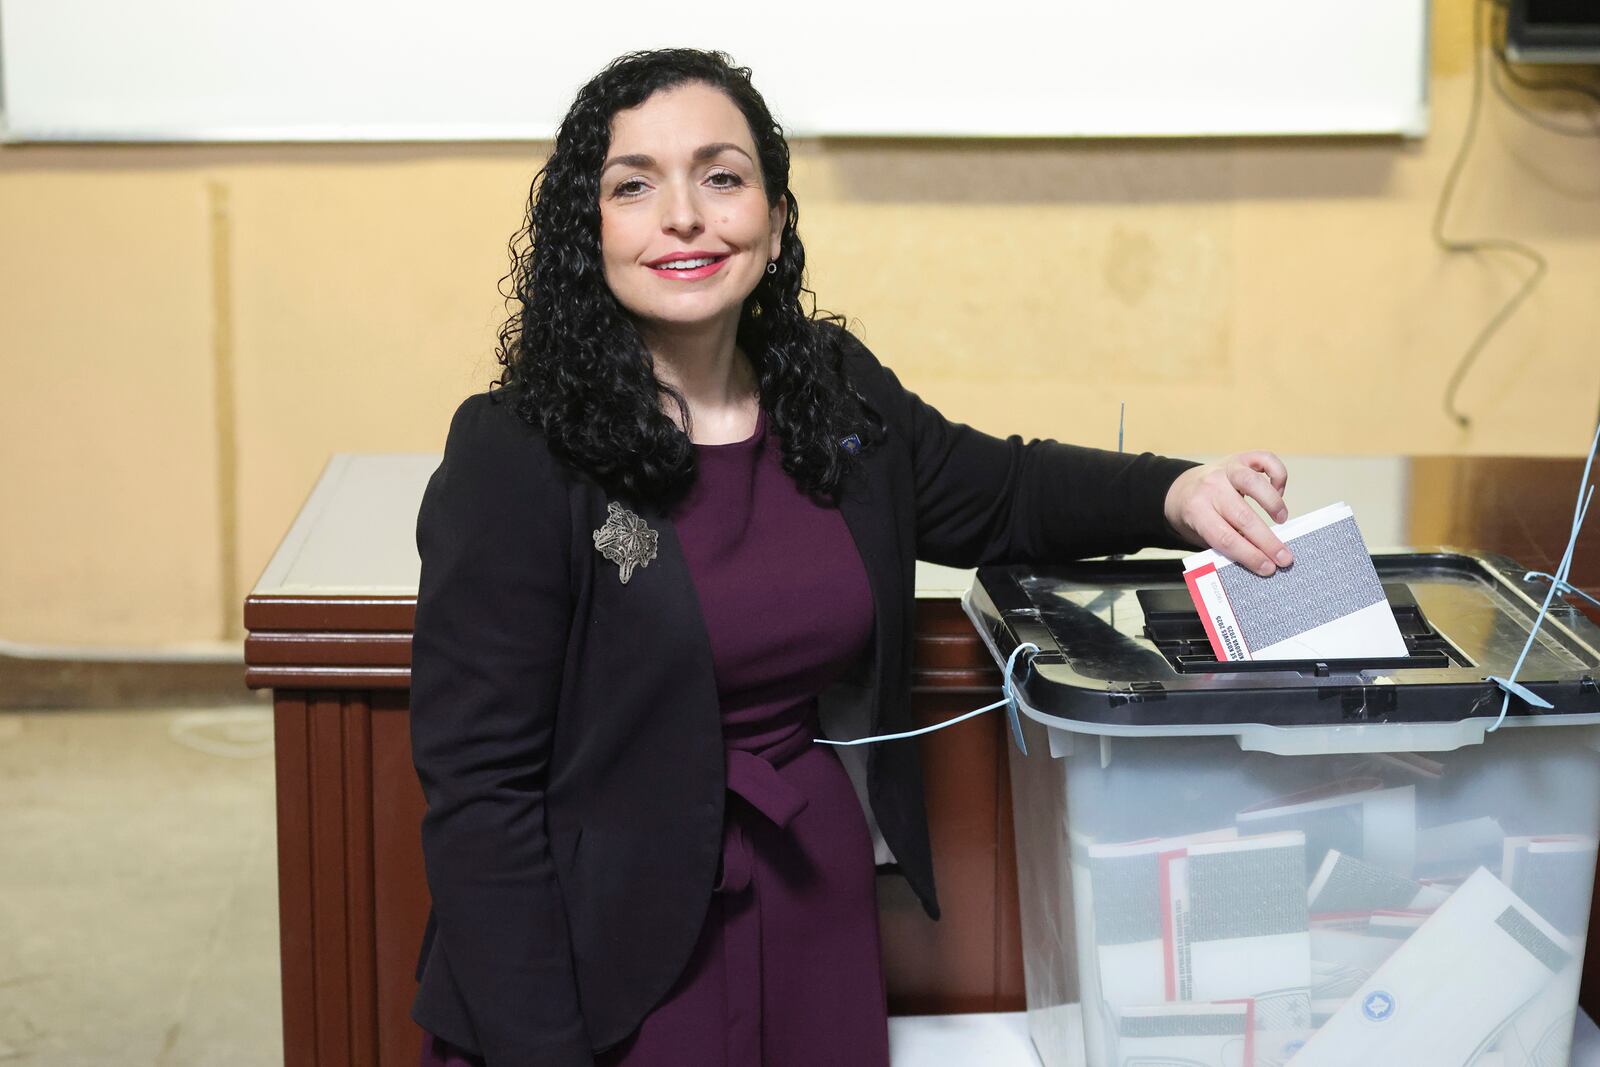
{"x":625,"y":540}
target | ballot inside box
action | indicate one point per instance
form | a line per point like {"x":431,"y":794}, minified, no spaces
{"x":1245,"y":863}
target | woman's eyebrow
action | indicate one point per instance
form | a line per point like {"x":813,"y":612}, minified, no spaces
{"x":701,"y":154}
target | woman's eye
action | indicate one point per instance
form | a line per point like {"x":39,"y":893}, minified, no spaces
{"x":630,"y":187}
{"x":724,"y":179}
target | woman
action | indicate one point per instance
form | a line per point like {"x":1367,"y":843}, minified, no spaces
{"x":682,"y":529}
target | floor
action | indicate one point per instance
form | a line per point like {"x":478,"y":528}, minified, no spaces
{"x":138,"y":893}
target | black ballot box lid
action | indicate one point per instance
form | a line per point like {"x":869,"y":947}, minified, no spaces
{"x":1122,"y":650}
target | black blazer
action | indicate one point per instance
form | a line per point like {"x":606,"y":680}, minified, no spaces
{"x":565,"y":726}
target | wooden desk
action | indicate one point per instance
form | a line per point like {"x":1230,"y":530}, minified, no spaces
{"x":330,"y":633}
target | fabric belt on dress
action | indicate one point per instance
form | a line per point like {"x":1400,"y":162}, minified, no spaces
{"x":754,"y":777}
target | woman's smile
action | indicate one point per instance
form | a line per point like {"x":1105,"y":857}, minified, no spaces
{"x":688,"y":266}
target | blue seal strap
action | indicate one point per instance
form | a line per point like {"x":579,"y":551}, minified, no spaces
{"x":1516,"y":689}
{"x":1009,"y":702}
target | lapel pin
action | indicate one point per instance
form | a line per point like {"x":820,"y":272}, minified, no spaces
{"x":625,"y":540}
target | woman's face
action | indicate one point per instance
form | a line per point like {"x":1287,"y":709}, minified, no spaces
{"x":685,"y":230}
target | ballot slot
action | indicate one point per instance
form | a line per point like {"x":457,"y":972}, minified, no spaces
{"x":1125,"y":649}
{"x":1173,"y":625}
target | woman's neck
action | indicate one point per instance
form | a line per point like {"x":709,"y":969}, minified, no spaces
{"x":713,"y":376}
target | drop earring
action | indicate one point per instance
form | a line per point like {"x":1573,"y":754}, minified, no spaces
{"x":772,"y":266}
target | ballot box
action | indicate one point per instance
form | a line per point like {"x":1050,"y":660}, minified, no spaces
{"x":1318,"y":863}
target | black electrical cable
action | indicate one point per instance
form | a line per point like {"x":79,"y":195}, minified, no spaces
{"x":1482,"y":244}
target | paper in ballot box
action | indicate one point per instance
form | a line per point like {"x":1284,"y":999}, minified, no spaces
{"x":1344,"y":898}
{"x":1342,"y":960}
{"x":1396,"y":925}
{"x":1455,"y":849}
{"x":1324,"y":1009}
{"x":1234,"y":920}
{"x":1449,"y":990}
{"x":1344,"y":884}
{"x":1541,"y":1033}
{"x":1124,"y":879}
{"x":1358,"y":817}
{"x":1554,"y":875}
{"x":1230,"y":1033}
{"x":1328,"y":604}
{"x":1180,"y":923}
{"x":1205,"y":1035}
{"x":1410,"y":764}
{"x":1280,"y":1026}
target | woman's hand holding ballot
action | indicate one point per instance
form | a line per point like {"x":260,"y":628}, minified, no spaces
{"x":1207,"y":506}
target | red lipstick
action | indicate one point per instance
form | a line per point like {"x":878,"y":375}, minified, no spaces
{"x":662,"y":265}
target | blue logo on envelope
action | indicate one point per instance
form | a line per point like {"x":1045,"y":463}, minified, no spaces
{"x":1378,"y":1006}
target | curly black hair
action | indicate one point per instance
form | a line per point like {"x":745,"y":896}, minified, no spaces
{"x":574,"y":361}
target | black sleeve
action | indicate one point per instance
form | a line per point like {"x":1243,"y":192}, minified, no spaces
{"x":493,"y":611}
{"x":982,"y":499}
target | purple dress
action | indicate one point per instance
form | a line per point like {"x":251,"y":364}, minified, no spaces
{"x":786,"y":972}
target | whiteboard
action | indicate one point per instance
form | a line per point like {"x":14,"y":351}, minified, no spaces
{"x":386,"y":70}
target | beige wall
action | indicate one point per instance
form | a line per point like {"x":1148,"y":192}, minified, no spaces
{"x":186,"y":333}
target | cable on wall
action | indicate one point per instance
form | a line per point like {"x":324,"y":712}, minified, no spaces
{"x":1479,"y":245}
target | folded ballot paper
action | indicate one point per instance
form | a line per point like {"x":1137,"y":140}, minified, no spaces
{"x":1233,"y":918}
{"x":1359,"y":916}
{"x":1202,"y":950}
{"x":1357,"y":817}
{"x":1205,"y":1035}
{"x":1449,"y":993}
{"x":1228,"y":1033}
{"x":1345,"y":952}
{"x":1128,"y":926}
{"x":1346,"y":885}
{"x":1454,"y":850}
{"x":1328,"y":604}
{"x":1554,"y":874}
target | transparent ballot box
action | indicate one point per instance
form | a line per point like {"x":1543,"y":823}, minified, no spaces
{"x":1318,"y":863}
